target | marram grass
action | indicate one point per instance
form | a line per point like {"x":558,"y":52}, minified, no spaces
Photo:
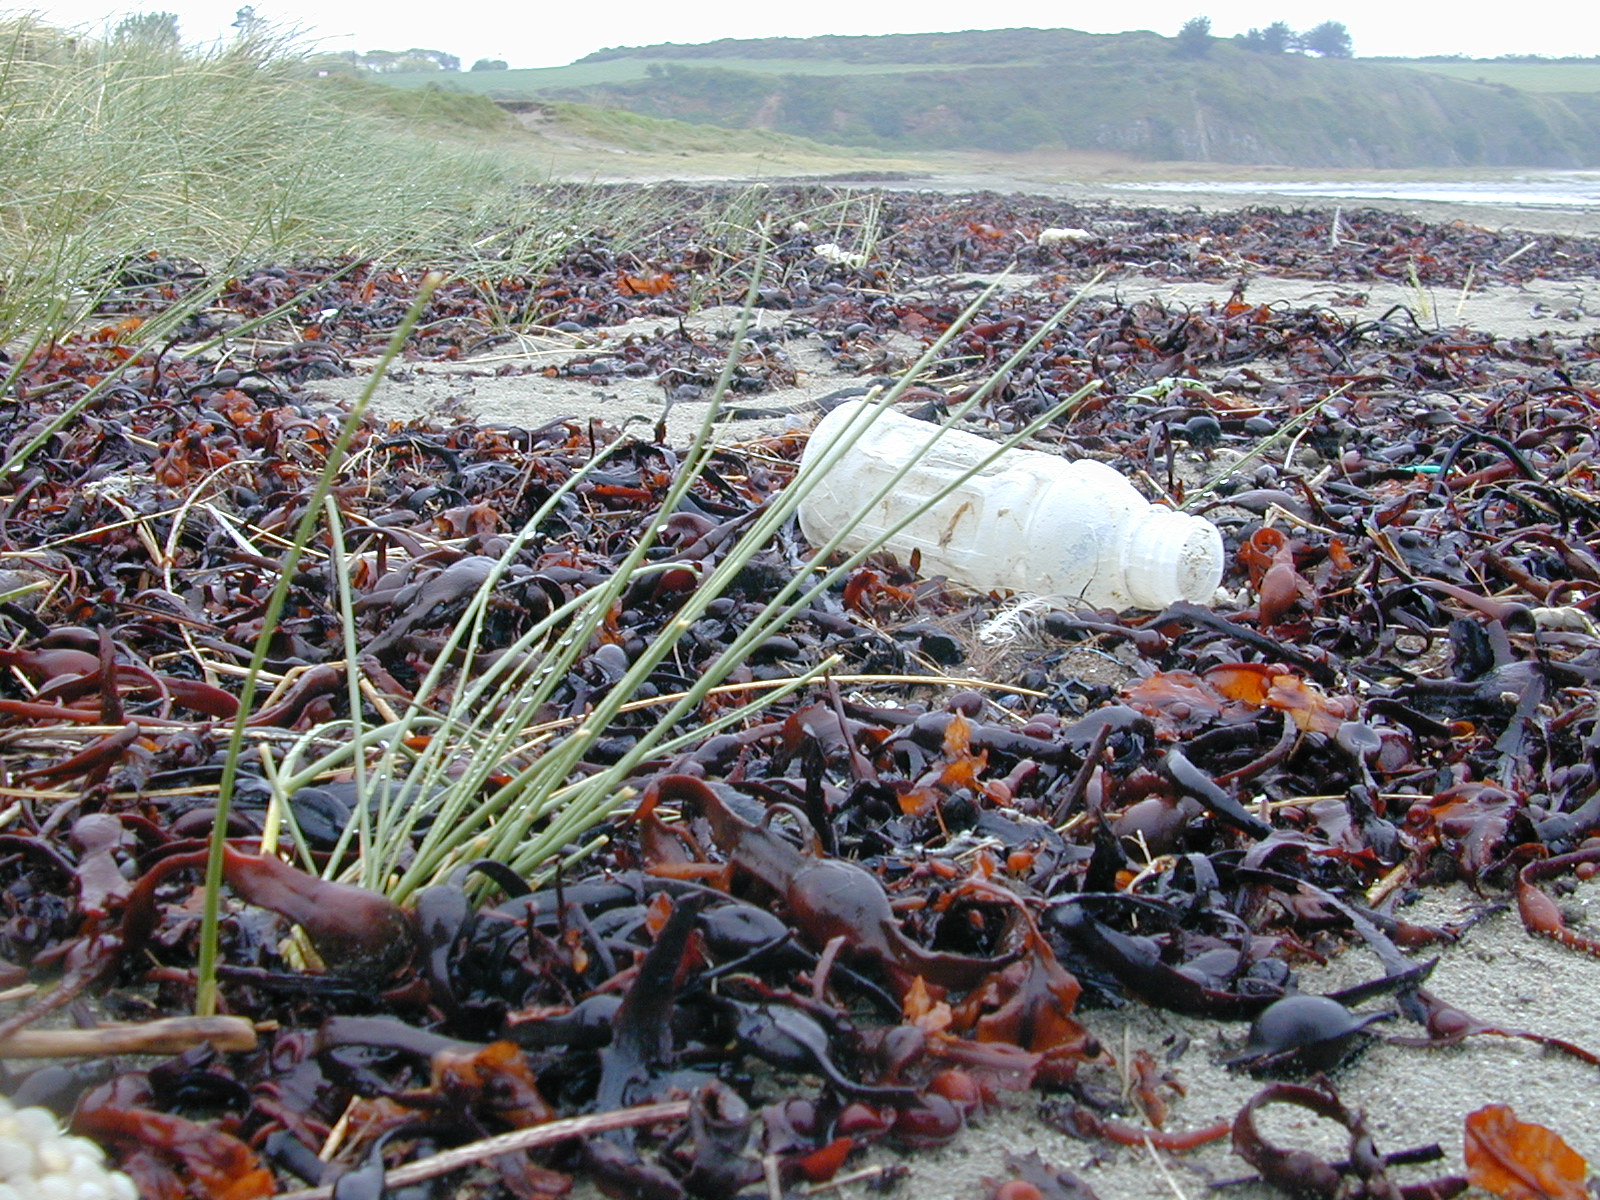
{"x":111,"y":148}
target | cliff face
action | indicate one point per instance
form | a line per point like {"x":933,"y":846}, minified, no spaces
{"x":1127,"y":93}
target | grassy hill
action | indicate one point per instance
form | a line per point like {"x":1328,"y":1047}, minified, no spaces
{"x":1557,"y":76}
{"x":1130,"y":93}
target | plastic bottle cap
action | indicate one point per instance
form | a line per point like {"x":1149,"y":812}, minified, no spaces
{"x":1173,"y":557}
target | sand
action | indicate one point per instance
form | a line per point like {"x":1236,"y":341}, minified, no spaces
{"x":509,"y":385}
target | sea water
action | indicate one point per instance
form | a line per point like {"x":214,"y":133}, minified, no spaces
{"x":1555,"y":189}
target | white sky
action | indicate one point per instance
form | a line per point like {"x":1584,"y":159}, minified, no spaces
{"x":538,"y":33}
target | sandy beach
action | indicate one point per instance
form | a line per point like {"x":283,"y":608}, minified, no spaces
{"x":1413,"y":1097}
{"x":1388,"y":706}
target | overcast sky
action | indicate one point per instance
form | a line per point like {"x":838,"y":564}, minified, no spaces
{"x":537,"y":33}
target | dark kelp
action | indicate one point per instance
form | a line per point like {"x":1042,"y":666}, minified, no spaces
{"x":868,"y":913}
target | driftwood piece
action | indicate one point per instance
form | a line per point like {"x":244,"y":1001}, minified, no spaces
{"x":169,"y":1035}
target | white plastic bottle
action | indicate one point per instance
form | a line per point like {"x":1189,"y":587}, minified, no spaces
{"x":1028,"y":522}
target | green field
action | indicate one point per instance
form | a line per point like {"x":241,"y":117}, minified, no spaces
{"x":1030,"y":89}
{"x":621,"y":129}
{"x":1527,"y":77}
{"x":529,"y":82}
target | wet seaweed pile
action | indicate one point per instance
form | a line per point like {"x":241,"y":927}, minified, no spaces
{"x":891,"y":901}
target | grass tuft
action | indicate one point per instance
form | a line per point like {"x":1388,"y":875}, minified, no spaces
{"x":111,"y":148}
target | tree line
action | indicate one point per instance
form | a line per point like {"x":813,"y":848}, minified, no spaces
{"x":1329,"y":39}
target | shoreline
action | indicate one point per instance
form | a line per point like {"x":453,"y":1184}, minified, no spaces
{"x":1190,"y":187}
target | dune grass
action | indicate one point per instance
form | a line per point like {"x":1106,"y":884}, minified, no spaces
{"x":237,"y":154}
{"x":112,"y":147}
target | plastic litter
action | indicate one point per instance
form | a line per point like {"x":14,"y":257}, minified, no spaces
{"x":1028,"y":522}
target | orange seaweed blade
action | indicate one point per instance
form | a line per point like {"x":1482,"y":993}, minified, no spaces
{"x":1517,"y":1160}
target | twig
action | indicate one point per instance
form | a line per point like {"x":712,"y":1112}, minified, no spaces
{"x":376,"y":698}
{"x":84,"y":534}
{"x":509,"y":1143}
{"x":1165,"y":1173}
{"x":1276,"y":512}
{"x":67,"y":990}
{"x":169,"y":1035}
{"x":1466,"y":289}
{"x":839,"y":1182}
{"x":38,"y":796}
{"x":339,"y":1134}
{"x":1516,"y":254}
{"x":1391,"y":882}
{"x":1425,"y":308}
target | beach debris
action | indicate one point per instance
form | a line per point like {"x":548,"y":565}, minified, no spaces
{"x":1518,"y":1160}
{"x":1364,"y":1171}
{"x":903,"y":892}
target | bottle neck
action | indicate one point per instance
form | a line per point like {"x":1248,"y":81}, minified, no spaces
{"x":1172,"y":556}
